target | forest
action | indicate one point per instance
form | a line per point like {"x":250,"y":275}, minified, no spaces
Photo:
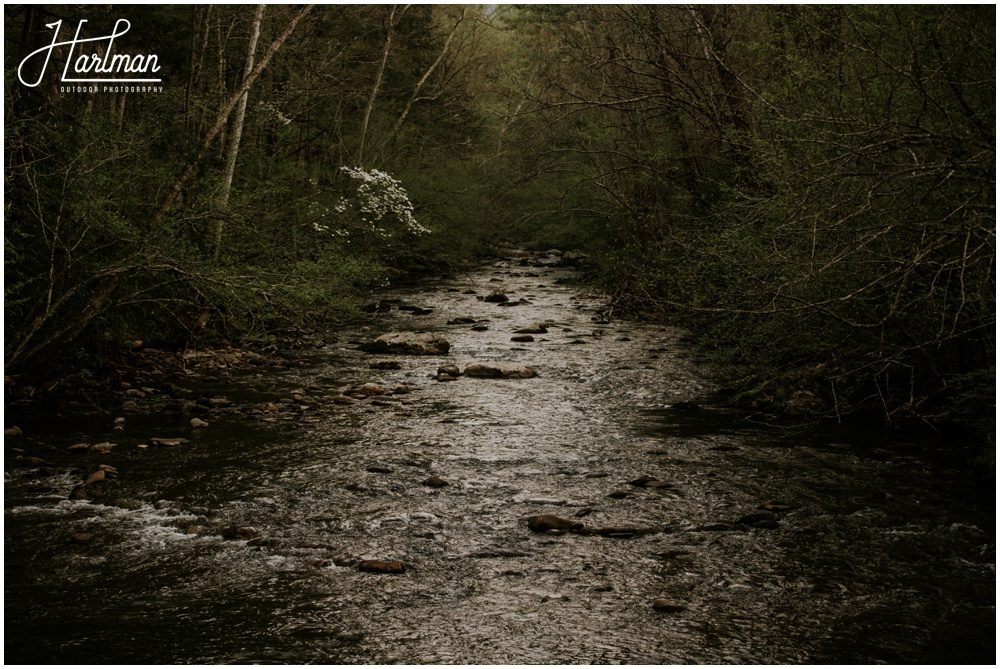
{"x":809,"y":189}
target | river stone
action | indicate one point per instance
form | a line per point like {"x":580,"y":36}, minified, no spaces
{"x":643,"y":481}
{"x":461,"y":321}
{"x":99,"y":475}
{"x":755,"y":518}
{"x":532,"y":329}
{"x":382,"y":566}
{"x":499,"y":371}
{"x":83,"y":537}
{"x":522,"y":338}
{"x":497,"y":297}
{"x":451,"y":370}
{"x":667,"y":605}
{"x":197,"y":422}
{"x":545,"y":522}
{"x":163,"y":443}
{"x":102,"y":448}
{"x":385,"y":364}
{"x":343,"y":399}
{"x":14,"y":431}
{"x":367,"y":389}
{"x":408,"y":343}
{"x":238,"y":533}
{"x":435,"y":482}
{"x":479,"y":328}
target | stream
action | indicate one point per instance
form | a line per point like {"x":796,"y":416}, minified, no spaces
{"x":870,"y":551}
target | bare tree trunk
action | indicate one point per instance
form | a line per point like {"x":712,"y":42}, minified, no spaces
{"x":236,"y":133}
{"x":220,"y":121}
{"x":427,"y":74}
{"x":389,"y":29}
{"x":199,"y":44}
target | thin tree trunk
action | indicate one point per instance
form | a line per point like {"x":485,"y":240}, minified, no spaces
{"x":236,"y":133}
{"x":199,"y":44}
{"x":220,"y":121}
{"x":378,"y":82}
{"x":427,"y":74}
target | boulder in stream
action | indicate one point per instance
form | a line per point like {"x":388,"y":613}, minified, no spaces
{"x":499,"y":371}
{"x":408,"y":343}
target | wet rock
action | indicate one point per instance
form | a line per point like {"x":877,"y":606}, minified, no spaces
{"x":102,"y":448}
{"x":219,"y":402}
{"x":451,"y":370}
{"x":385,"y":364}
{"x":445,"y":377}
{"x":435,"y":482}
{"x":382,"y":566}
{"x":619,"y":494}
{"x":499,"y":371}
{"x":522,"y":338}
{"x":545,"y":522}
{"x":532,"y":329}
{"x":130,"y":406}
{"x":643,"y":481}
{"x":240,"y":533}
{"x":168,"y":442}
{"x":479,"y":328}
{"x":754,"y":518}
{"x":496,"y":297}
{"x":583,"y":512}
{"x":461,"y":321}
{"x":343,"y":399}
{"x":379,"y":470}
{"x":408,"y":343}
{"x":13,"y":431}
{"x":197,"y":422}
{"x":667,"y":605}
{"x":367,"y":389}
{"x":99,"y":475}
{"x":83,"y":537}
{"x":80,"y":492}
{"x":355,"y":487}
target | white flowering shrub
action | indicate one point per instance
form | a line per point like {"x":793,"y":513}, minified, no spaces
{"x":379,"y":206}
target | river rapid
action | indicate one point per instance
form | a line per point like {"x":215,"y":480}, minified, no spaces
{"x":873,"y":551}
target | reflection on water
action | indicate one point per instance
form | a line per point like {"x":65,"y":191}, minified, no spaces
{"x":882,"y":559}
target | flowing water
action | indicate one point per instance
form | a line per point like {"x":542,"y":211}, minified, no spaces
{"x":887,"y":555}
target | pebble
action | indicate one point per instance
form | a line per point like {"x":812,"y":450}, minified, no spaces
{"x":197,"y":422}
{"x":13,"y":431}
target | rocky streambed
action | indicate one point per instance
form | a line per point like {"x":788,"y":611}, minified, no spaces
{"x":491,"y":470}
